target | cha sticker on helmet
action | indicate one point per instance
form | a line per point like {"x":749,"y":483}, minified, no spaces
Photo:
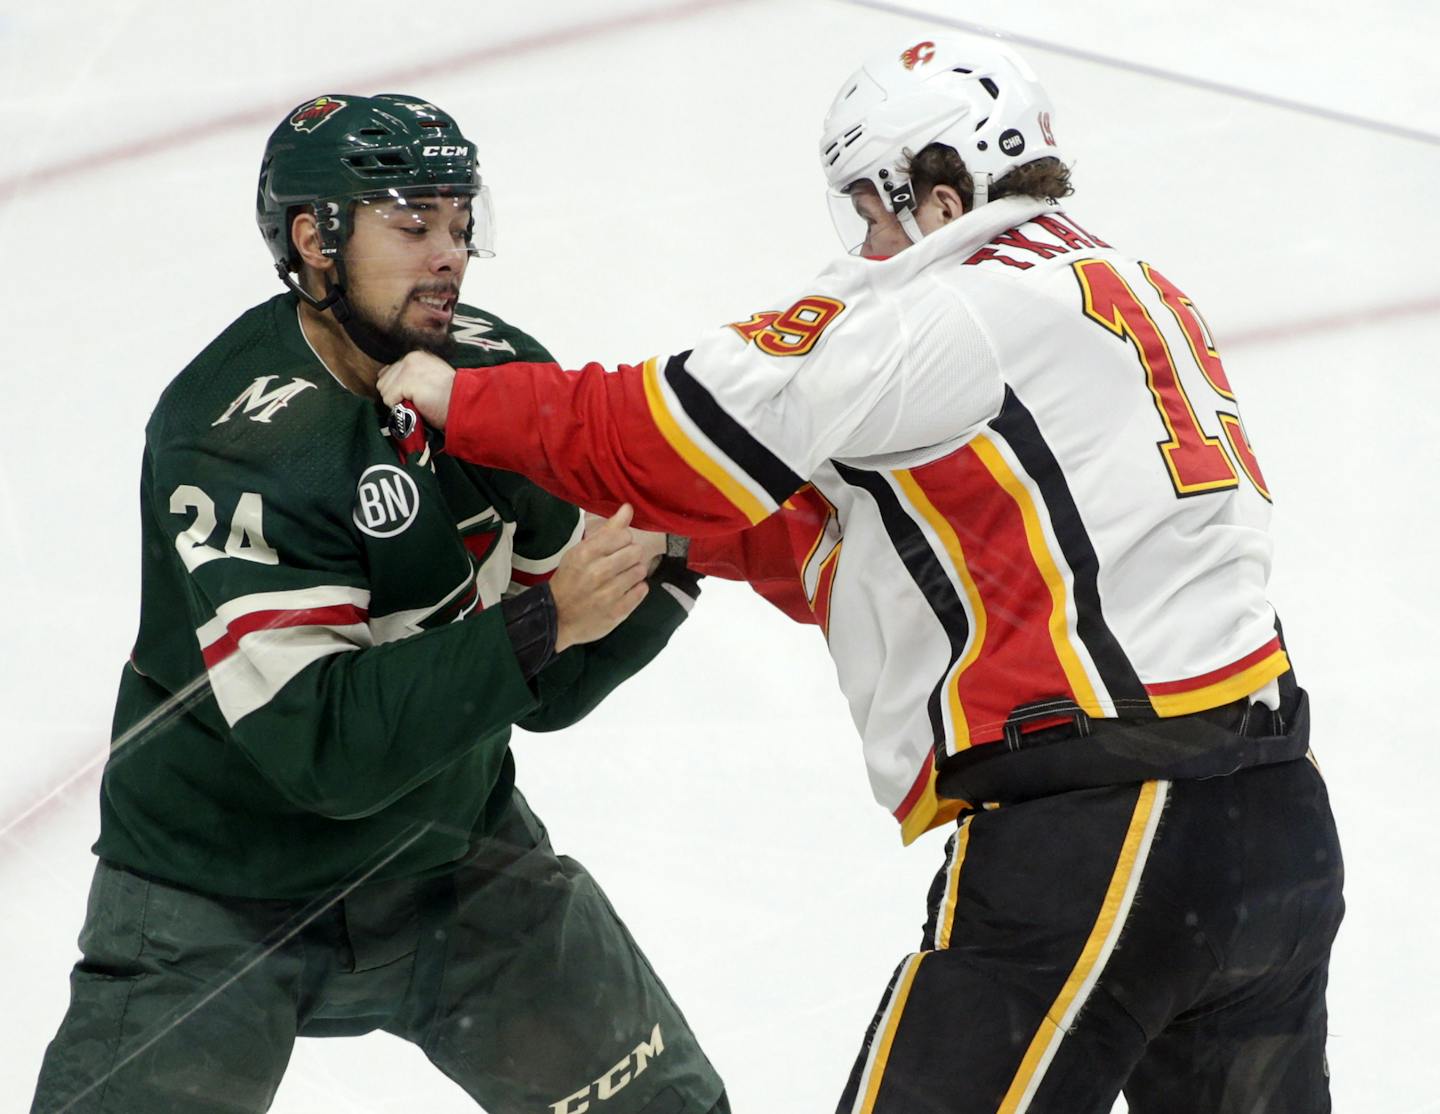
{"x":310,"y":116}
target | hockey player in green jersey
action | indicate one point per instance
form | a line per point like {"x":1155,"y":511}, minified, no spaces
{"x":308,"y":820}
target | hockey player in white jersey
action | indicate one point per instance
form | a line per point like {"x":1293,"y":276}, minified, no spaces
{"x":999,"y":462}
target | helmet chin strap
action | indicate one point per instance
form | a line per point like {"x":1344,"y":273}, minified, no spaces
{"x":981,"y":192}
{"x":911,"y":226}
{"x":362,"y":334}
{"x":333,"y":293}
{"x":902,"y":204}
{"x":905,"y":212}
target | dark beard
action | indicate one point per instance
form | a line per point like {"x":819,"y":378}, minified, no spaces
{"x":387,"y":341}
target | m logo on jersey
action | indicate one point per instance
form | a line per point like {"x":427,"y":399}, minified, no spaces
{"x":472,"y":330}
{"x":310,"y":116}
{"x":259,"y":404}
{"x":386,"y":501}
{"x":917,"y":55}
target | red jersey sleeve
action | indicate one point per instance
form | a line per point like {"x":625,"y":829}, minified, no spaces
{"x":639,"y":434}
{"x":764,"y":556}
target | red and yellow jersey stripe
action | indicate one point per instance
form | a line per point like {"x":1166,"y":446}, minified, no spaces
{"x":647,"y":434}
{"x":1220,"y":686}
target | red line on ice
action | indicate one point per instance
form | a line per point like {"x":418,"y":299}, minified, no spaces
{"x":1358,"y":318}
{"x":265,"y":114}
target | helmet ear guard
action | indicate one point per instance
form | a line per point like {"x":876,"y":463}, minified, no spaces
{"x":279,"y":238}
{"x":328,"y":224}
{"x":900,"y":196}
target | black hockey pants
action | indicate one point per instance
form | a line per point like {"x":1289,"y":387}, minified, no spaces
{"x":1170,"y":939}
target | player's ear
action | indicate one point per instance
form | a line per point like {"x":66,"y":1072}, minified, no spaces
{"x":948,"y":203}
{"x":305,"y":235}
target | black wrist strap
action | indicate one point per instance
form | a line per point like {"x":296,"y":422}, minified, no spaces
{"x":674,"y":570}
{"x":532,"y":625}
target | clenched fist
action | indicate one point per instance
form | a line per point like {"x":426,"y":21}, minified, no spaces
{"x":422,"y":379}
{"x":600,"y":581}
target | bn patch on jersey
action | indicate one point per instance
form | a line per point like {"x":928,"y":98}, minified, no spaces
{"x":386,"y":501}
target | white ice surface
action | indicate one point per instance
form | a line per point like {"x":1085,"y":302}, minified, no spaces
{"x":655,"y":174}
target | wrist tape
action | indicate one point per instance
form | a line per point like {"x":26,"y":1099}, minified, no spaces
{"x":532,"y":624}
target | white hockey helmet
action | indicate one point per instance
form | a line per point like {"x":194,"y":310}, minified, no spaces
{"x":979,"y":98}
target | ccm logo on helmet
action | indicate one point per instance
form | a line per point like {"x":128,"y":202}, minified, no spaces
{"x":917,"y":55}
{"x":447,"y":152}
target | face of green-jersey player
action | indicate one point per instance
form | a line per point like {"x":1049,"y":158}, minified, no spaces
{"x":404,"y":262}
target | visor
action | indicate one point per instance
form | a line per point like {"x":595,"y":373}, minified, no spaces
{"x":880,"y":236}
{"x":850,"y":226}
{"x":459,"y":216}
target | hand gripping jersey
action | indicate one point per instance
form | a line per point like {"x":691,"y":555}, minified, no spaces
{"x":1011,"y":475}
{"x":322,"y":685}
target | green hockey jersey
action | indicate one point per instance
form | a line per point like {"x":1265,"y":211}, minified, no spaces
{"x":323,"y":686}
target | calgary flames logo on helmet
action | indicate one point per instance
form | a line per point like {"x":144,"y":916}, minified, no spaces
{"x":310,"y":116}
{"x":917,"y":55}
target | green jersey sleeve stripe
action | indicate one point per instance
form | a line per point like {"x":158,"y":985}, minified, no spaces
{"x":294,"y":600}
{"x":267,"y":660}
{"x":256,"y":644}
{"x":535,"y":566}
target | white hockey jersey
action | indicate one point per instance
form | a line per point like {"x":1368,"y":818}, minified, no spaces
{"x":1011,"y":477}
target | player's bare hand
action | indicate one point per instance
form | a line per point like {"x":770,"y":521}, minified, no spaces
{"x":653,"y":544}
{"x":599,"y":582}
{"x":422,"y":379}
